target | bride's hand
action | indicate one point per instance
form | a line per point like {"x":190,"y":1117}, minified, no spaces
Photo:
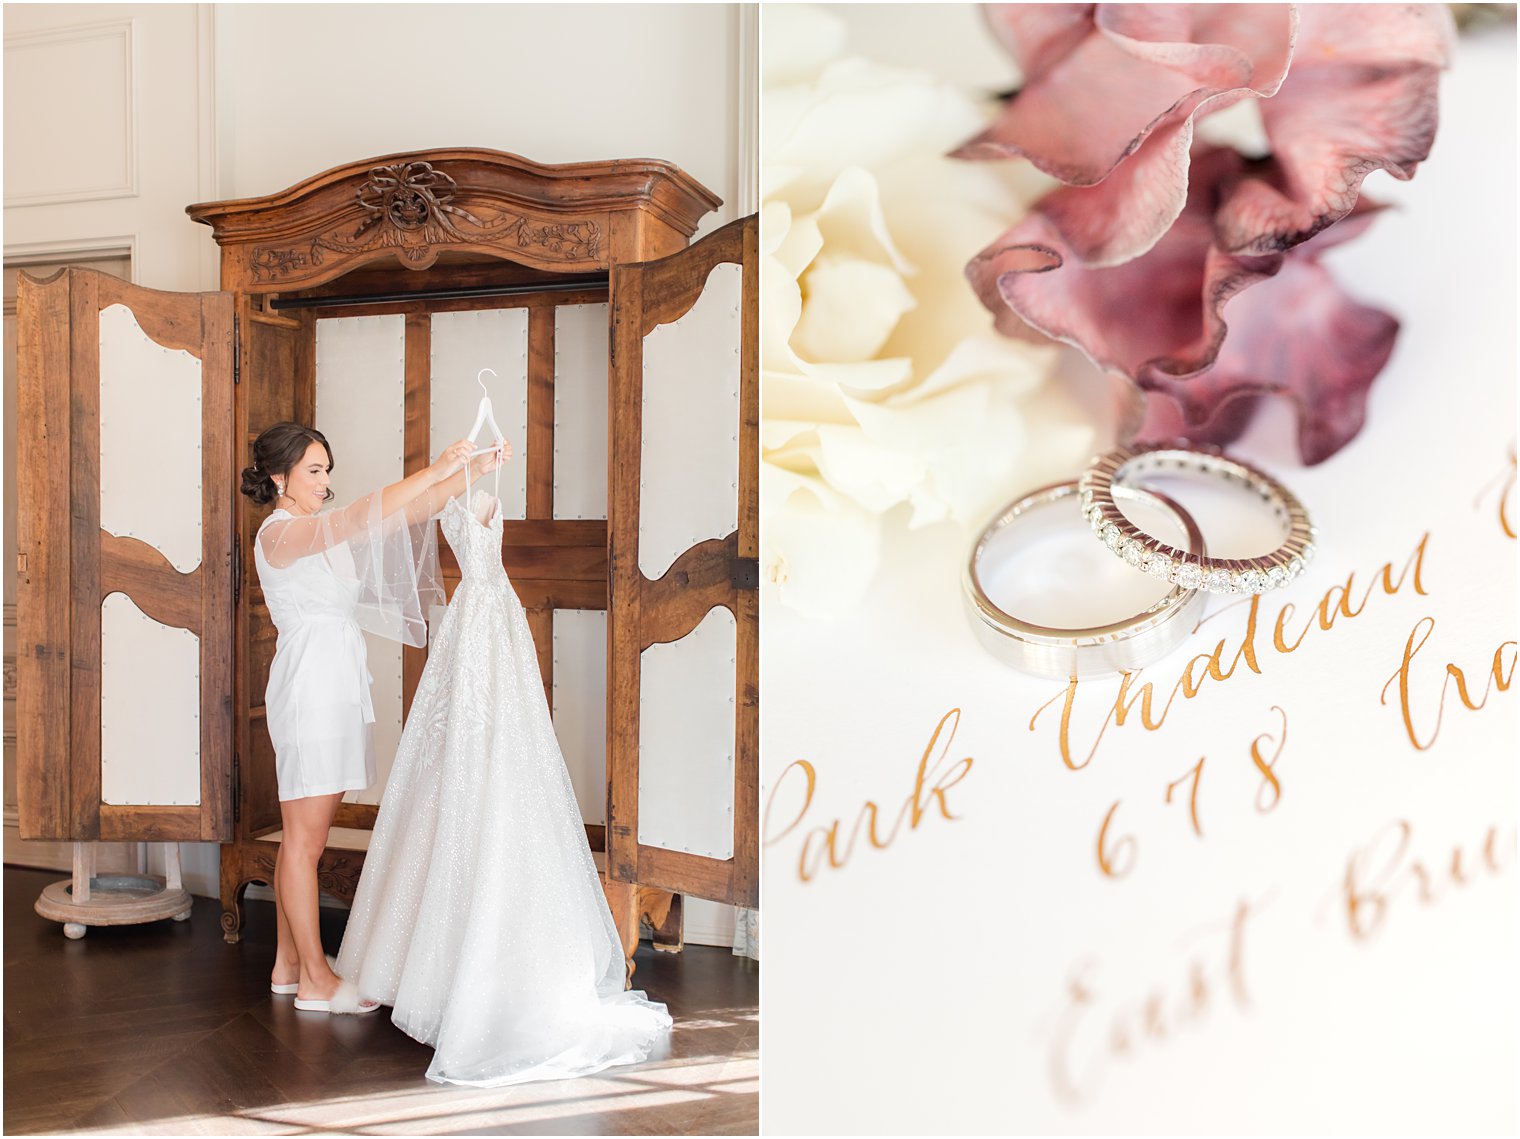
{"x":452,"y":458}
{"x":496,"y":457}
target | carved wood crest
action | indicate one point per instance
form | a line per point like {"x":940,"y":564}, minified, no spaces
{"x":411,"y":207}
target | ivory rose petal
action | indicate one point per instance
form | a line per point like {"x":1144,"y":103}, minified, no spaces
{"x":818,"y":550}
{"x":886,"y":397}
{"x":852,"y":308}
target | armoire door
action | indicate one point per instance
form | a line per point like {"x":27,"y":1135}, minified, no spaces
{"x":683,"y":517}
{"x":125,"y":582}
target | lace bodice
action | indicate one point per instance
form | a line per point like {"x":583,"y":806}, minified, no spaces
{"x":476,"y":547}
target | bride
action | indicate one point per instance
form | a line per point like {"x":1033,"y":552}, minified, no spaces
{"x":480,"y":916}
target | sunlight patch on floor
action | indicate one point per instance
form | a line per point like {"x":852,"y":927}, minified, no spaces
{"x":677,"y":1086}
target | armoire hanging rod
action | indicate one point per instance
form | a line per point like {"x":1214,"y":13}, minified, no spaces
{"x":438,"y":294}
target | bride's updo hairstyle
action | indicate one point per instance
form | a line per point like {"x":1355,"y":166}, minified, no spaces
{"x":275,"y":452}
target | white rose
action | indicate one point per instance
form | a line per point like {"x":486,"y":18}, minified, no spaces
{"x":883,"y":381}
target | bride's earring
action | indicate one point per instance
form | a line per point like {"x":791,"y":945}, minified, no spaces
{"x":279,"y":488}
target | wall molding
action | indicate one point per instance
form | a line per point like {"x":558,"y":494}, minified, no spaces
{"x":747,"y":69}
{"x":18,"y":255}
{"x":125,"y":32}
{"x":207,"y":164}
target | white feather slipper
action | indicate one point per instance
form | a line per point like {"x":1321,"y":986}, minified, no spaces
{"x":345,"y":1000}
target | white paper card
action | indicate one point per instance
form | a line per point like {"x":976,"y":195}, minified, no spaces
{"x":1280,"y":897}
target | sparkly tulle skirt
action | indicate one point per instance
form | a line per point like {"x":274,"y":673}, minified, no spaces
{"x":480,"y":916}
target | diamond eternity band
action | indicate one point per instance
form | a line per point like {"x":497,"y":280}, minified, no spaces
{"x":1182,"y":567}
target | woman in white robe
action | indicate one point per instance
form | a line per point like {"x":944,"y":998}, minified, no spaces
{"x":326,"y":575}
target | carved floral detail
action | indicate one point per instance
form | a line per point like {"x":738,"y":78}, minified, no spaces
{"x":338,"y":875}
{"x":412,"y":207}
{"x":268,"y":263}
{"x":574,"y":239}
{"x":409,"y":196}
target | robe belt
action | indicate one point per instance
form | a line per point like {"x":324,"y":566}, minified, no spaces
{"x":353,"y":644}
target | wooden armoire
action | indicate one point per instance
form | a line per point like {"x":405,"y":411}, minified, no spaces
{"x":147,"y":643}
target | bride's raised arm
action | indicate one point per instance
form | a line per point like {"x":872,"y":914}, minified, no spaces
{"x":411,"y":501}
{"x":382,"y":546}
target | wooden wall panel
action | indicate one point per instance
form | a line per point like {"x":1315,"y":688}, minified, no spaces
{"x":540,"y":456}
{"x":81,"y":564}
{"x":219,"y":469}
{"x":44,"y":582}
{"x":720,"y":571}
{"x":415,"y":433}
{"x":261,"y":801}
{"x":277,"y":385}
{"x":84,"y":550}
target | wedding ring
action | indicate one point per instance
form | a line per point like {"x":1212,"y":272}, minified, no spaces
{"x":1060,"y":654}
{"x":1110,"y":473}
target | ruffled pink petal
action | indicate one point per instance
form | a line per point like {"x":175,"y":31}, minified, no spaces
{"x":1164,"y":421}
{"x":1155,"y":315}
{"x":1116,"y":105}
{"x":1039,"y":36}
{"x":1297,"y":336}
{"x":1208,"y":330}
{"x":1375,"y":35}
{"x":1018,"y":252}
{"x":1361,"y":96}
{"x":1222,"y":46}
{"x":1080,"y":120}
{"x":1124,"y":215}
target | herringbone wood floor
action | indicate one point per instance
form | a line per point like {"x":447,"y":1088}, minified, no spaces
{"x":165,"y":1029}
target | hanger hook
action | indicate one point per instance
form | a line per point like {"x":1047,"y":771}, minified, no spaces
{"x":481,"y":382}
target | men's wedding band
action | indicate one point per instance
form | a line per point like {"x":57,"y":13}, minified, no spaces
{"x":1111,"y":473}
{"x":1060,"y":654}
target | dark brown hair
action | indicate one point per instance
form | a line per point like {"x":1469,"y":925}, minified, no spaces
{"x":275,"y":452}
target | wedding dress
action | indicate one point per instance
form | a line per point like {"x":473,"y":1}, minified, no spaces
{"x":479,"y":915}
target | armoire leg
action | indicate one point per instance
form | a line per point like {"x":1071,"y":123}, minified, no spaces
{"x":232,"y":887}
{"x":623,"y":901}
{"x":670,"y":933}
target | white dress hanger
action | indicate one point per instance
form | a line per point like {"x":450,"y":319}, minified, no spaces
{"x":483,"y":417}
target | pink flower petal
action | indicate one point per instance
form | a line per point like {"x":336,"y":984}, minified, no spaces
{"x":1126,"y":214}
{"x":1222,"y":46}
{"x":1375,"y":35}
{"x":1155,"y":315}
{"x":1162,"y":319}
{"x":1165,"y":421}
{"x":1361,"y":96}
{"x":1083,"y":118}
{"x":1297,"y":336}
{"x":1118,"y":103}
{"x":1039,"y":36}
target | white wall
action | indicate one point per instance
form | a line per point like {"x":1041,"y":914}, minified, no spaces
{"x":240,"y":100}
{"x":108,"y":117}
{"x":304,"y":87}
